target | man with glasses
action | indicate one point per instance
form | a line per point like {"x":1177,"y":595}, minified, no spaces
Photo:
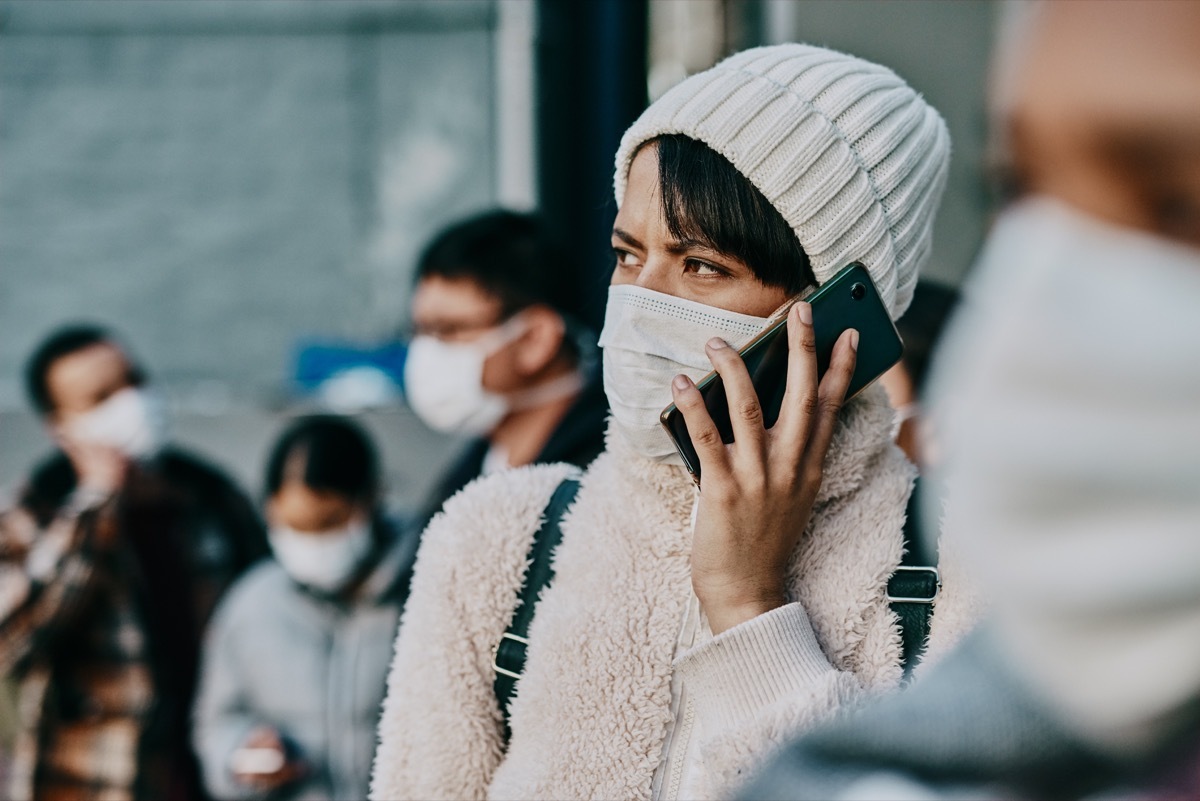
{"x":497,"y":354}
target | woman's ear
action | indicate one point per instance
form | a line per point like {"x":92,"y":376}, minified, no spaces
{"x":542,"y":341}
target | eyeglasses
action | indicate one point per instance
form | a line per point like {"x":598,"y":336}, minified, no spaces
{"x":453,"y":330}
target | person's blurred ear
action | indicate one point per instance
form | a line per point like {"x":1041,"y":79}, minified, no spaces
{"x":542,"y":341}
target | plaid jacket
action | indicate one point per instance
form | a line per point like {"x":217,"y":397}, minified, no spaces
{"x":75,"y":634}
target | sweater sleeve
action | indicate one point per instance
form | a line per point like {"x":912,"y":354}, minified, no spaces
{"x":756,"y":686}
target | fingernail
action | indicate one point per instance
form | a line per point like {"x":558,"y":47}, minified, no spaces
{"x":804,"y":312}
{"x":681,"y":382}
{"x":716,"y":343}
{"x":854,"y":340}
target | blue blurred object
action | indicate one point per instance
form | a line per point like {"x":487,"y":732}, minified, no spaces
{"x":350,"y":377}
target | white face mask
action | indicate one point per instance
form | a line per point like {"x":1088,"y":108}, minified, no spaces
{"x":443,"y":382}
{"x":1067,"y":400}
{"x":325,"y":561}
{"x":648,"y":339}
{"x":131,"y":420}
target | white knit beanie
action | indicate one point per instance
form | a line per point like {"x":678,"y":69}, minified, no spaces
{"x":849,"y":154}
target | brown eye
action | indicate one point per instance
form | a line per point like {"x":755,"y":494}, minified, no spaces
{"x":703,"y":268}
{"x":624,"y":258}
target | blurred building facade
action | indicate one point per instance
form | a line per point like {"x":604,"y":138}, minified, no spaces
{"x":219,"y":179}
{"x":216,"y":177}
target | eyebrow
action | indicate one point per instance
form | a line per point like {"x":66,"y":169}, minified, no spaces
{"x":627,"y":238}
{"x":675,"y":248}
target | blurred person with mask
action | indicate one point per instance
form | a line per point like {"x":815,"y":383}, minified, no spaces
{"x":1067,"y":404}
{"x":110,"y":565}
{"x":498,"y":355}
{"x":296,"y":660}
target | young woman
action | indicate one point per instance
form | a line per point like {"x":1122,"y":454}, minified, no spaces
{"x":296,"y":661}
{"x":685,"y":633}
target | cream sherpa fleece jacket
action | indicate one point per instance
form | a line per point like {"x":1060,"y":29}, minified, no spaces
{"x":593,"y":707}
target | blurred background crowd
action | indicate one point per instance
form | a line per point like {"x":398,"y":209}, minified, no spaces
{"x":242,"y":189}
{"x":277,"y":268}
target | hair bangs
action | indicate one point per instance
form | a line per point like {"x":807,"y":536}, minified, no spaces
{"x":707,"y":200}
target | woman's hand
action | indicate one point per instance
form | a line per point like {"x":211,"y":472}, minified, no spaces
{"x":757,"y":494}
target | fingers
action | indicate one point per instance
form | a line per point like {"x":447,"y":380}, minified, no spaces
{"x":830,"y":396}
{"x":800,"y":395}
{"x":705,"y":437}
{"x":745,"y":411}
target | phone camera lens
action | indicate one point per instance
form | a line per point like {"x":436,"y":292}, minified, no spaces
{"x":858,"y":291}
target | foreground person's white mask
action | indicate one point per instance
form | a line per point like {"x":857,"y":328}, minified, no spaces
{"x":325,"y":561}
{"x":443,"y":382}
{"x":648,"y":339}
{"x":132,"y":420}
{"x":1068,"y":403}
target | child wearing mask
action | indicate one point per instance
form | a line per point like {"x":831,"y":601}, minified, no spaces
{"x":295,"y":663}
{"x":685,"y":634}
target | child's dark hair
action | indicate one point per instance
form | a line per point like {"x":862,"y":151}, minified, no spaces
{"x":325,"y":452}
{"x":705,"y":198}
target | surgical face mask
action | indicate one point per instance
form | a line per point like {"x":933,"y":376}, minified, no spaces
{"x":648,"y":339}
{"x":132,"y":420}
{"x":1067,"y":403}
{"x":443,"y":382}
{"x":326,"y":560}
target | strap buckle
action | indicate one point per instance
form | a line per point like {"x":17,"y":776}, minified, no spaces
{"x":911,"y":585}
{"x":508,"y":635}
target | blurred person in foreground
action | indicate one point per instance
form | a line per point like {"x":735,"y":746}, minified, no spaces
{"x":1068,"y":406}
{"x":686,"y":633}
{"x":296,"y":659}
{"x":497,"y":355}
{"x":110,"y":565}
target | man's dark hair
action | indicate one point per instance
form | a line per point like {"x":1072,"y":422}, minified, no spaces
{"x":326,"y":452}
{"x":705,"y":198}
{"x":510,"y":255}
{"x":59,"y":343}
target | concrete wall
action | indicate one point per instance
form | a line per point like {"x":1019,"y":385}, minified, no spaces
{"x":217,"y":179}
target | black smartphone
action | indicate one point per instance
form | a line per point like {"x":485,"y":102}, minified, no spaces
{"x":848,"y":300}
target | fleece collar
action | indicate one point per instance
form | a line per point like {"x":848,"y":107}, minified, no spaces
{"x":593,"y":707}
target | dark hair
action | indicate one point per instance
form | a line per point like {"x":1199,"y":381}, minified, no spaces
{"x":510,"y":255}
{"x":59,"y":343}
{"x":334,"y":454}
{"x":705,"y":198}
{"x":922,"y":324}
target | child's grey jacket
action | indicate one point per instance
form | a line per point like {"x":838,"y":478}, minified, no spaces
{"x":312,"y":667}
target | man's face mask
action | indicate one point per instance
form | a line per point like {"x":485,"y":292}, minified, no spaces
{"x":443,"y":382}
{"x":1067,"y":399}
{"x":649,"y":338}
{"x":132,"y":420}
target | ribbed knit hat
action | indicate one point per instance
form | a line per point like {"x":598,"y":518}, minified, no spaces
{"x":849,"y":154}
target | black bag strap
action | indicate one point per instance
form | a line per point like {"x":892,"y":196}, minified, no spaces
{"x":508,"y":657}
{"x":912,"y":589}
